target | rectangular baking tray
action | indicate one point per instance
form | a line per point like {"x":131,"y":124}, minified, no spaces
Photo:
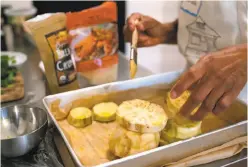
{"x":160,"y":155}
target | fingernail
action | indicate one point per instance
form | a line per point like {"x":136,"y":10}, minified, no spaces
{"x":173,"y":94}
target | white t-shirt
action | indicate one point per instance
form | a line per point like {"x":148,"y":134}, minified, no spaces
{"x":206,"y":26}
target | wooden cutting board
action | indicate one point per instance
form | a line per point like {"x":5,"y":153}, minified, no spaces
{"x":15,"y":92}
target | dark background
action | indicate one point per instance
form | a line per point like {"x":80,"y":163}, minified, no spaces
{"x":66,"y":6}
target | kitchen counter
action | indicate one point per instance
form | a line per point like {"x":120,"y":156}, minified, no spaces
{"x":36,"y":89}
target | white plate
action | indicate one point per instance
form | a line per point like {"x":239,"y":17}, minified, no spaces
{"x":19,"y":57}
{"x":30,"y":11}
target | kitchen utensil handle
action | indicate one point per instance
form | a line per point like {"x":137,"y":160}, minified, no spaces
{"x":135,"y":36}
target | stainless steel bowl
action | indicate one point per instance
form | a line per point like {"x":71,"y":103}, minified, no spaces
{"x":22,"y":129}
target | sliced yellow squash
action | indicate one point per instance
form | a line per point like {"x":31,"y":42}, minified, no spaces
{"x":80,"y":117}
{"x":174,"y":132}
{"x":123,"y":142}
{"x":174,"y":105}
{"x":105,"y":112}
{"x":180,"y":127}
{"x":141,"y":116}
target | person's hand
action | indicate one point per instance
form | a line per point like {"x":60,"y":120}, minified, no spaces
{"x":216,"y":80}
{"x":151,"y":32}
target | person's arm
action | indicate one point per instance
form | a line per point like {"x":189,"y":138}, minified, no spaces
{"x":151,"y":32}
{"x":171,"y":32}
{"x":218,"y":78}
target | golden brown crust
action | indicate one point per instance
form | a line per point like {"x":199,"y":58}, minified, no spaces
{"x":15,"y":92}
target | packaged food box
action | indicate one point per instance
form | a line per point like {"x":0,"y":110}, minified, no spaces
{"x":93,"y":36}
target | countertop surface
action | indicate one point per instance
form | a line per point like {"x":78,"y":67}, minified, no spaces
{"x":36,"y":89}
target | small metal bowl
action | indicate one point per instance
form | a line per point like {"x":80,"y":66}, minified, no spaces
{"x":22,"y":129}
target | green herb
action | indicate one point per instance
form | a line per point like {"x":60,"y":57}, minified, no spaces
{"x":7,"y":73}
{"x":4,"y":62}
{"x":12,"y":60}
{"x":10,"y":86}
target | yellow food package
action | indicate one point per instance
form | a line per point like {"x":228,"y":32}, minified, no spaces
{"x":50,"y":35}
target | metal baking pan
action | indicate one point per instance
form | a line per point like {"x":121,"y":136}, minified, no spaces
{"x":160,"y":155}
